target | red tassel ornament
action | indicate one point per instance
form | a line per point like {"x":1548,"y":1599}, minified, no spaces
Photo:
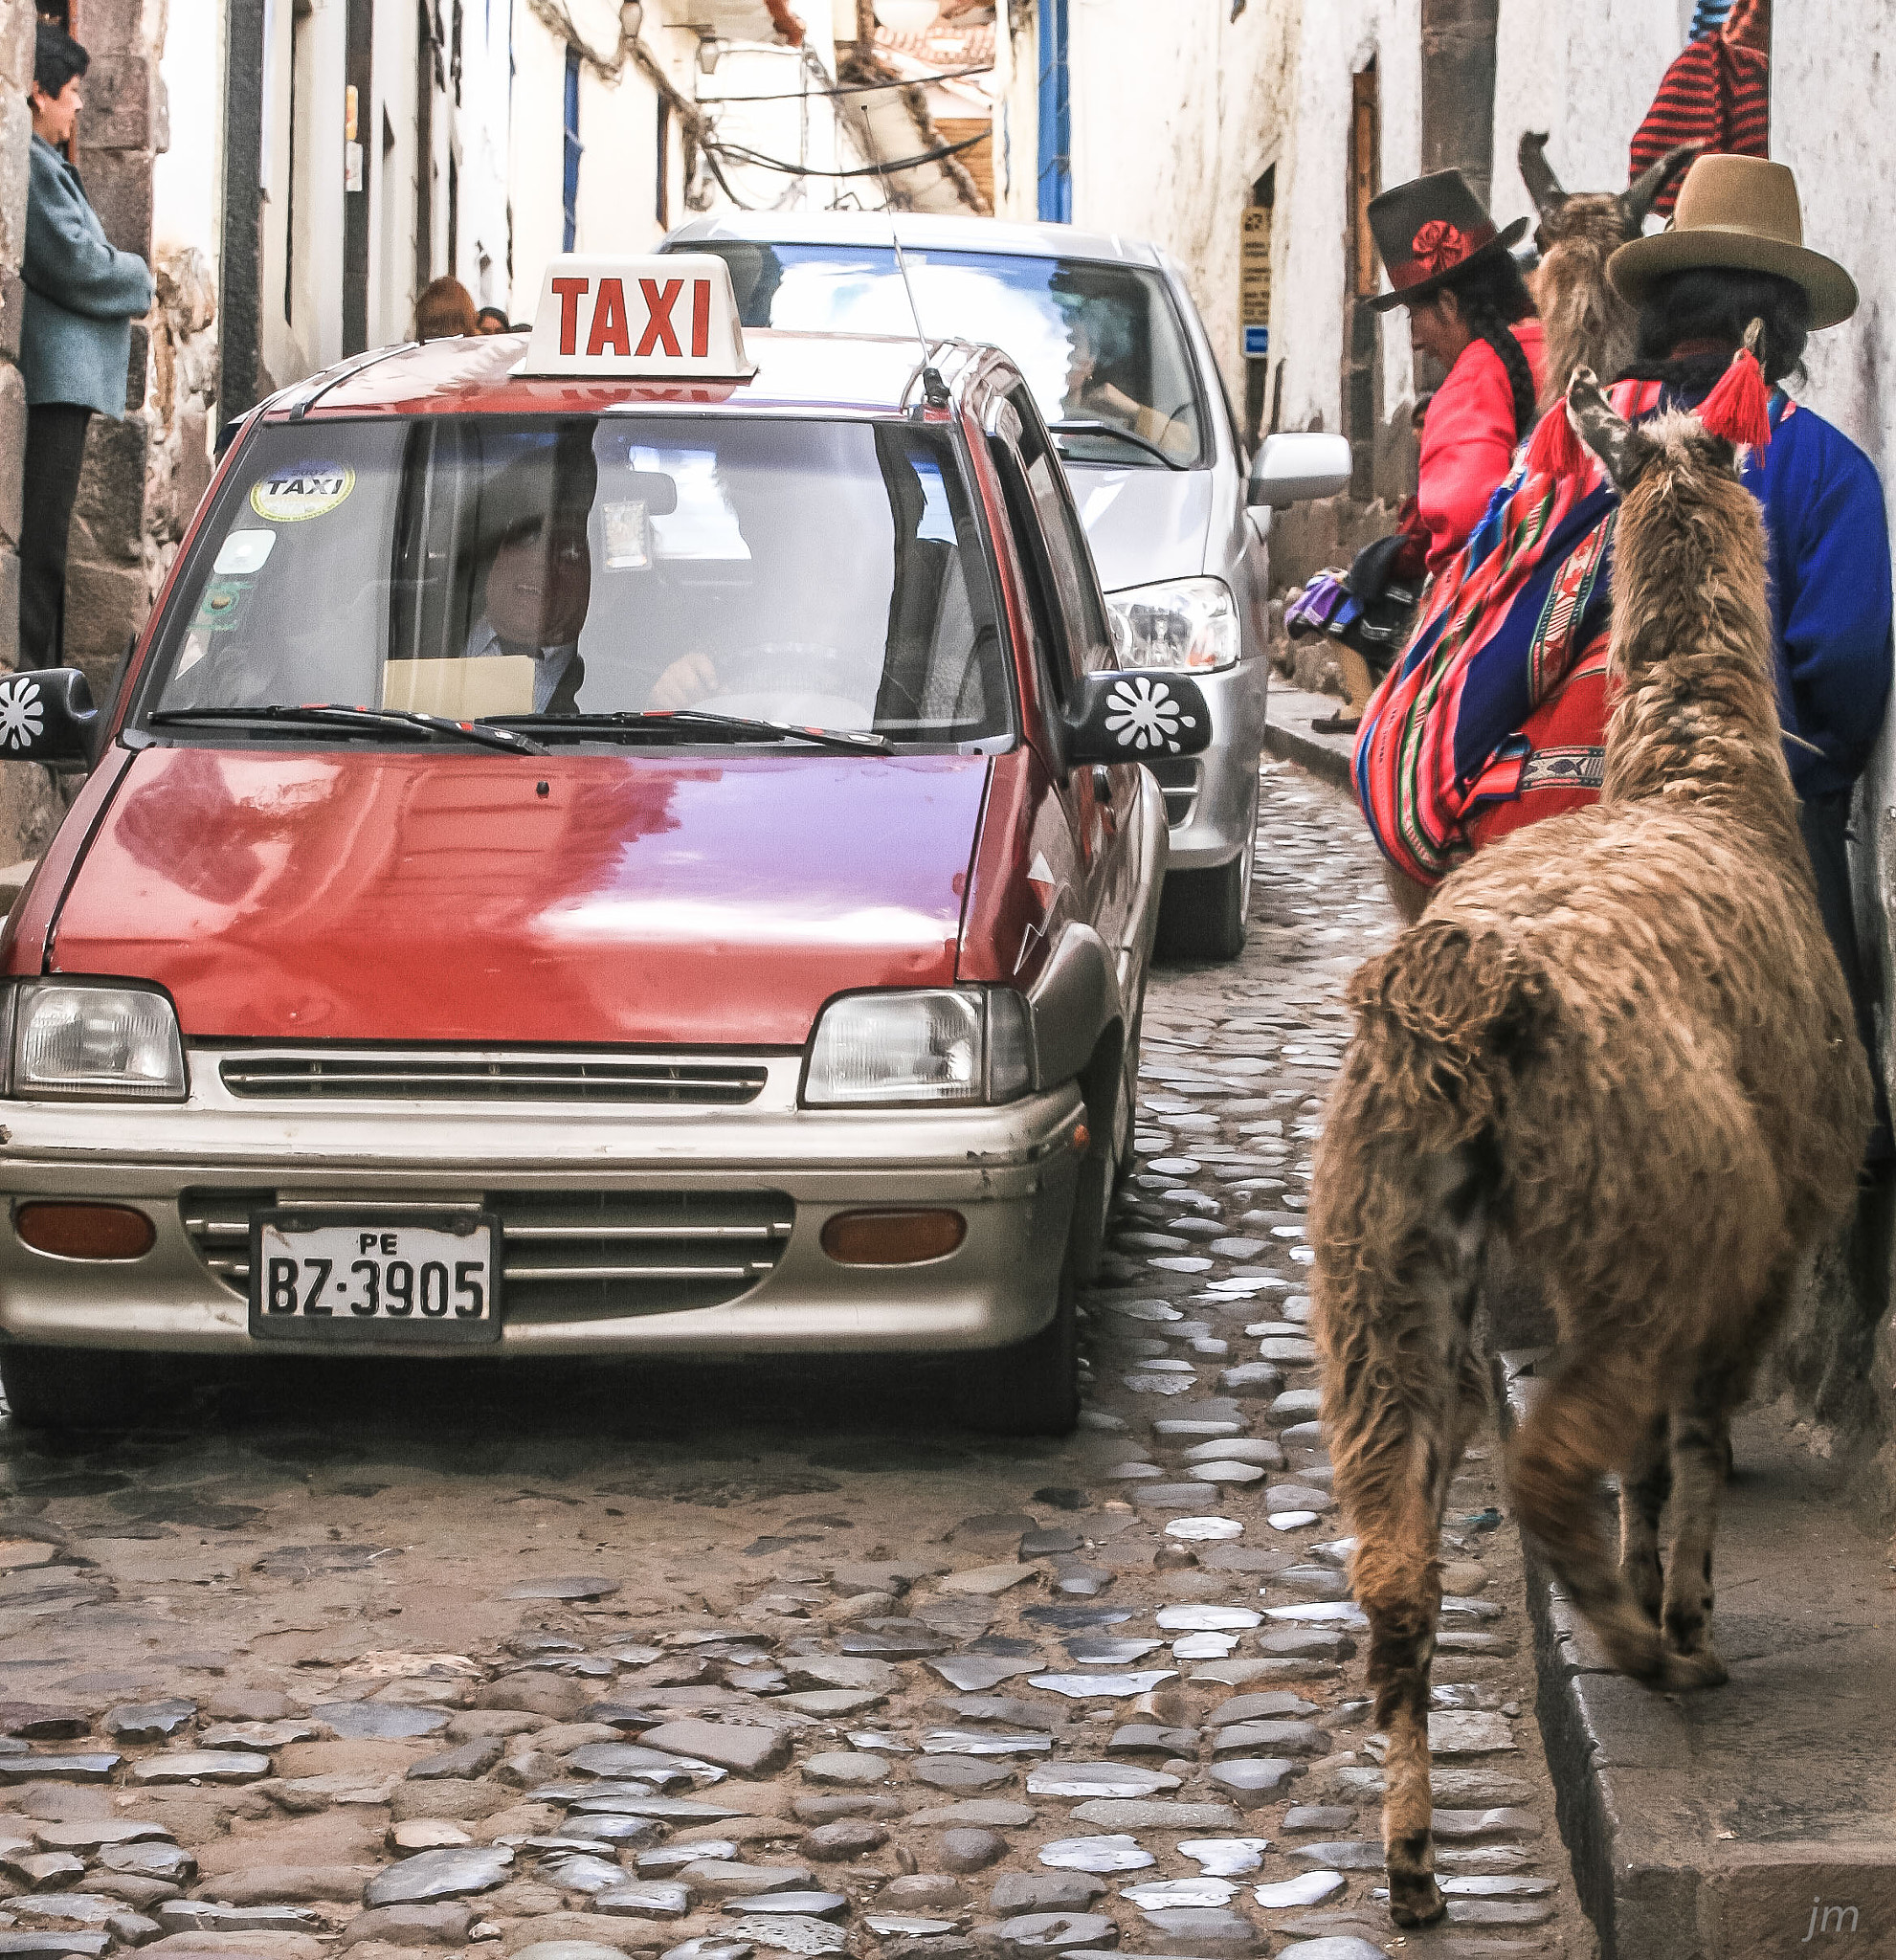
{"x":1556,"y":450}
{"x":1739,"y":408}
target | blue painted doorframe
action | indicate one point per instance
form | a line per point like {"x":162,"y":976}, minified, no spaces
{"x":1056,"y":118}
{"x":573,"y":150}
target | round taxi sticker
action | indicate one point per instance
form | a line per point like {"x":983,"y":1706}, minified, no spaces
{"x":301,"y":490}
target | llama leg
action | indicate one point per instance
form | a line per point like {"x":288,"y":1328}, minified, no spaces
{"x":1590,"y":1419}
{"x":1645,"y":1485}
{"x":1701,"y":1445}
{"x":1401,"y":1393}
{"x":1396,"y":1578}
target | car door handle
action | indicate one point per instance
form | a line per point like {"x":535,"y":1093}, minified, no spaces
{"x":1102,"y":783}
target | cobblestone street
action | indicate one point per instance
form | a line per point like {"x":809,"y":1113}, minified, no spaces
{"x":771,"y":1659}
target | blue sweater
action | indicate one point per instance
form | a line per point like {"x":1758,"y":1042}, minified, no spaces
{"x":1827,"y":540}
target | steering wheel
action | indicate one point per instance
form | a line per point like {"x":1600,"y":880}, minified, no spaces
{"x":793,"y":680}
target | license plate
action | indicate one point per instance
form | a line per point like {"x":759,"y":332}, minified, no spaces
{"x":423,"y":1277}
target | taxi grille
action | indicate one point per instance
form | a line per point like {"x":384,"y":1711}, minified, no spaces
{"x":487,"y":1079}
{"x":565,"y":1255}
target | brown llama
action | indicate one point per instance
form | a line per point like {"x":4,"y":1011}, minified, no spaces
{"x":1586,"y":322}
{"x":1618,"y":1047}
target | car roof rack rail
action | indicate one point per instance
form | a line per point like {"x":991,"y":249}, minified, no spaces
{"x":336,"y":376}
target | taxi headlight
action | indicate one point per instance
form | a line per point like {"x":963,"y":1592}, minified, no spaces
{"x":107,"y":1043}
{"x":1187,"y":623}
{"x":964,"y":1044}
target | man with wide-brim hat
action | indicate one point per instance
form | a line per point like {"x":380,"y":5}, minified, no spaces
{"x":1733,"y":255}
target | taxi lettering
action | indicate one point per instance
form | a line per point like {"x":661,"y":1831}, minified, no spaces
{"x":658,"y":319}
{"x":607,"y":330}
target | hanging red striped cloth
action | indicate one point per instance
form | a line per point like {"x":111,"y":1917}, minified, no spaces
{"x":1717,"y":95}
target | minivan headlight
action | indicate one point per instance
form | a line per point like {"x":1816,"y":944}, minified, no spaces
{"x":962,"y":1044}
{"x":1187,"y":623}
{"x":112,"y":1044}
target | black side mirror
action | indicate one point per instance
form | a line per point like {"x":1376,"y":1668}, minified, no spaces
{"x":1137,"y":716}
{"x":45,"y":715}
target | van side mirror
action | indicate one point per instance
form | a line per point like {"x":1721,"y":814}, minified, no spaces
{"x":1295,"y":468}
{"x":1136,"y":715}
{"x":45,"y":715}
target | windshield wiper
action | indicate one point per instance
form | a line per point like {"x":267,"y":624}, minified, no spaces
{"x":341,"y":715}
{"x":661,"y":720}
{"x":1087,"y":425}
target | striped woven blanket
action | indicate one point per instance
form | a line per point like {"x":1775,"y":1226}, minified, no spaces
{"x":1495,"y":715}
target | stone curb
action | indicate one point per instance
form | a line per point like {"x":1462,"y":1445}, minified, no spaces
{"x":1644,"y":1781}
{"x":1288,"y":737}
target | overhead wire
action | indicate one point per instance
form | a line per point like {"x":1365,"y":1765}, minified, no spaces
{"x":737,"y":153}
{"x":857,"y":88}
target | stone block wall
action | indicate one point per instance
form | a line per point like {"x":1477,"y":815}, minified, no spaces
{"x":29,"y":808}
{"x":123,"y":127}
{"x":180,"y":405}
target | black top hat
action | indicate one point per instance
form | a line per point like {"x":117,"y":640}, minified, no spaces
{"x":1429,"y":230}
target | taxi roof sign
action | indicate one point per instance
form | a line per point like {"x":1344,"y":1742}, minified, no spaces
{"x":670,"y":319}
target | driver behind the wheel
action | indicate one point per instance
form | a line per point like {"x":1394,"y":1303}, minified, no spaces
{"x":538,"y":585}
{"x":1099,"y":343}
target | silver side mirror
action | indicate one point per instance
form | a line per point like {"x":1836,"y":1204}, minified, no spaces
{"x":1295,"y":468}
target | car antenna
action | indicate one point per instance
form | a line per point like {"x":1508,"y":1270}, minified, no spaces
{"x":933,"y":388}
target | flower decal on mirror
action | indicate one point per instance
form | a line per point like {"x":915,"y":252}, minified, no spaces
{"x":20,"y":715}
{"x":1146,"y":714}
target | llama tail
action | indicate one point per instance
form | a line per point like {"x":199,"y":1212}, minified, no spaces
{"x":1441,"y":1009}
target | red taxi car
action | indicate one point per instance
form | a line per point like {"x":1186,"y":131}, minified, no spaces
{"x":621,"y":841}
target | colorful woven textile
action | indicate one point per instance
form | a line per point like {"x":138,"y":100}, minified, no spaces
{"x":1523,"y":608}
{"x":1717,"y":94}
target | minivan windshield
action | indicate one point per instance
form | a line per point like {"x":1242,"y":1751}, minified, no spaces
{"x":829,"y":574}
{"x":1101,"y":345}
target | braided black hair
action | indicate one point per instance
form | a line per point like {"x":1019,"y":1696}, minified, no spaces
{"x":1492,"y":296}
{"x":1717,"y":303}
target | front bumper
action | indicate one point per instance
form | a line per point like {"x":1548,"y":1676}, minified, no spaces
{"x":1010,"y":1171}
{"x":1208,"y":796}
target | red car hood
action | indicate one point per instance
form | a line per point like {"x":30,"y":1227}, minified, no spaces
{"x":440,"y":897}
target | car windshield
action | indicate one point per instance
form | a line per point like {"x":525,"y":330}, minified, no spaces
{"x":1099,"y":343}
{"x":825,"y":573}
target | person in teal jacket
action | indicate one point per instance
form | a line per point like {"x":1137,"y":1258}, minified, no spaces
{"x":76,"y":337}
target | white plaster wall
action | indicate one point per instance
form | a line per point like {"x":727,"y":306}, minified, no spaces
{"x":391,"y":173}
{"x":1338,"y":39}
{"x":1829,"y":120}
{"x":534,"y":147}
{"x":187,"y":178}
{"x":481,"y":126}
{"x":1166,"y":145}
{"x":1177,"y":112}
{"x":1587,"y":76}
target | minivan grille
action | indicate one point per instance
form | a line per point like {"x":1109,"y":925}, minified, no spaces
{"x":567,"y":1255}
{"x":487,"y":1079}
{"x":1179,"y":779}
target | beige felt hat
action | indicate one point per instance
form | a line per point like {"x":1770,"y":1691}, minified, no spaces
{"x":1741,"y":213}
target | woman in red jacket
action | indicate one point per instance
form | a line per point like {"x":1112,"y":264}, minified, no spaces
{"x":1469,"y":307}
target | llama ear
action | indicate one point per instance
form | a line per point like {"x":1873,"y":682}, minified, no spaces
{"x":1611,"y":438}
{"x":1543,"y":186}
{"x":1636,"y":200}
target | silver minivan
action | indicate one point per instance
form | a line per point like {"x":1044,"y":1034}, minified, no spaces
{"x":1118,"y":361}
